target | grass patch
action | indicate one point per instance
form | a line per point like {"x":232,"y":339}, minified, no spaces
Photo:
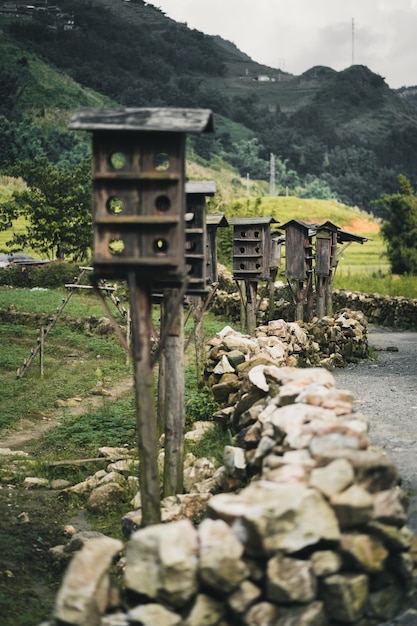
{"x":74,"y":361}
{"x":378,"y":282}
{"x":80,"y":436}
{"x":212,"y":444}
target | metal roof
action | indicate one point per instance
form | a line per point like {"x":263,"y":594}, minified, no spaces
{"x":143,"y":119}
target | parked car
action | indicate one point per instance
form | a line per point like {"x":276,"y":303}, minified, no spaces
{"x":20,"y":258}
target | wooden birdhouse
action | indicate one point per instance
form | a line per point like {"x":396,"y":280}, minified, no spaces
{"x":213,"y":221}
{"x":139,"y":188}
{"x":298,"y":249}
{"x":251,"y":248}
{"x":326,"y":248}
{"x":196,"y":233}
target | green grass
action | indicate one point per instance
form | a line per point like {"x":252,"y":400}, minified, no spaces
{"x":71,"y":364}
{"x":47,"y":301}
{"x":71,"y":359}
{"x":385,"y":284}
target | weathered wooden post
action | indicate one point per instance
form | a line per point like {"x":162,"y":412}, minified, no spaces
{"x":174,"y":409}
{"x":298,"y":262}
{"x":251,"y":259}
{"x":139,"y":224}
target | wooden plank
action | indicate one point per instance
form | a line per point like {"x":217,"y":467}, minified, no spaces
{"x":140,"y":220}
{"x":203,"y":187}
{"x":179,"y":120}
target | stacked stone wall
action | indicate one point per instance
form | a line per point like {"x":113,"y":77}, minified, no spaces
{"x":308,"y":530}
{"x":392,"y":312}
{"x":382,"y":310}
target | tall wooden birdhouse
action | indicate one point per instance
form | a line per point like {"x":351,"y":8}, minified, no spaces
{"x":326,"y":248}
{"x":139,"y":188}
{"x":298,"y":249}
{"x":213,"y":221}
{"x":252,"y":248}
{"x":196,"y":233}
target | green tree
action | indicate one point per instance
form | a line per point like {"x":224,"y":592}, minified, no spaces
{"x":56,"y":205}
{"x":400,"y":229}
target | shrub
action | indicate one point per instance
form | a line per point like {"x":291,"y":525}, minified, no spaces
{"x":50,"y":275}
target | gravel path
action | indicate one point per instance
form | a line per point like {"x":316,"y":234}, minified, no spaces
{"x":386,"y":393}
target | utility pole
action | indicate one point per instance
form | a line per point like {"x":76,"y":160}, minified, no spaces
{"x":272,"y":189}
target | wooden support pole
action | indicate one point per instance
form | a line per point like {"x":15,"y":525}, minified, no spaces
{"x":197,"y":304}
{"x":321,"y":296}
{"x":329,"y":294}
{"x":42,"y":351}
{"x":299,"y":304}
{"x":309,"y":296}
{"x":162,"y":409}
{"x":251,"y":289}
{"x":140,"y":308}
{"x":271,"y":294}
{"x":174,"y":397}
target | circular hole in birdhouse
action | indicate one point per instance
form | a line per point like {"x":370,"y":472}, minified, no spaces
{"x":257,"y":250}
{"x":242,"y":250}
{"x":256,"y":234}
{"x":114,"y":205}
{"x":163,"y":203}
{"x":189,"y":218}
{"x":160,"y":246}
{"x":117,"y":160}
{"x":242,"y":266}
{"x":116,"y":247}
{"x":243,"y":234}
{"x":258,"y":266}
{"x":161,"y":162}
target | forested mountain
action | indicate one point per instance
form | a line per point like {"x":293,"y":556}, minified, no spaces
{"x":345,"y":133}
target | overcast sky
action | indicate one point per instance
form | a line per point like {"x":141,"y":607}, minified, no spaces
{"x":295,"y":35}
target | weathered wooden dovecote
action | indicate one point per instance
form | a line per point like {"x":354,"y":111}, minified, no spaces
{"x":139,"y":187}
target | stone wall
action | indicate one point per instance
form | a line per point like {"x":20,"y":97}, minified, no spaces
{"x":393,"y":312}
{"x":309,"y":528}
{"x":382,"y":310}
{"x":329,"y":342}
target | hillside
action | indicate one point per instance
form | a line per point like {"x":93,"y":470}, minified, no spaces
{"x":334,"y":134}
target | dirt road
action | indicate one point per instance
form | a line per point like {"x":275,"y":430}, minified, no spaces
{"x":386,"y":392}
